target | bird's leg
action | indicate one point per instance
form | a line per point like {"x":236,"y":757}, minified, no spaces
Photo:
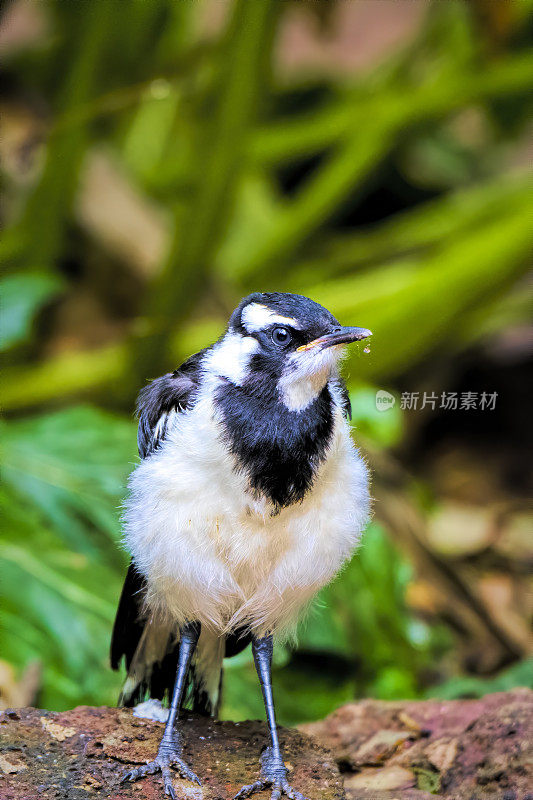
{"x":273,"y":769}
{"x":170,"y":748}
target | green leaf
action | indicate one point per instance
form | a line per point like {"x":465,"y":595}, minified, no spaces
{"x":65,"y":375}
{"x":21,"y":297}
{"x":371,"y":134}
{"x":519,"y":674}
{"x":64,"y":477}
{"x":428,"y":780}
{"x":427,"y":227}
{"x":415,"y":305}
{"x":72,"y":467}
{"x":66,"y":602}
{"x":150,"y":130}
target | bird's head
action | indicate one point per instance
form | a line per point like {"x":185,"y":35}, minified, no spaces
{"x":283,"y":342}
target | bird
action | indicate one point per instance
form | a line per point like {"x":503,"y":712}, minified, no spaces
{"x":248,"y":498}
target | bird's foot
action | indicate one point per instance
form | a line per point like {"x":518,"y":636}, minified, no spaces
{"x":169,"y":755}
{"x":273,"y":776}
{"x":279,"y":786}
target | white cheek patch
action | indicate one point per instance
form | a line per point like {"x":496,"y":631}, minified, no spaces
{"x":305,"y":376}
{"x":256,"y":317}
{"x":230,"y":358}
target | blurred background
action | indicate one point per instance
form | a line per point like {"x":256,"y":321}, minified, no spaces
{"x":162,"y":159}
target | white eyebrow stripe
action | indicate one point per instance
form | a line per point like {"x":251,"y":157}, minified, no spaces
{"x":230,"y":357}
{"x":256,"y":316}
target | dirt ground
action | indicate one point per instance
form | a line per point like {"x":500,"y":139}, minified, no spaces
{"x":461,"y":750}
{"x":81,"y":755}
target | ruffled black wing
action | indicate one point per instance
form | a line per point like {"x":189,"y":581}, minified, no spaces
{"x":175,"y":391}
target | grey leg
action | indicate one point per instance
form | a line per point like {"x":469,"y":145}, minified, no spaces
{"x":273,"y":770}
{"x":170,"y":749}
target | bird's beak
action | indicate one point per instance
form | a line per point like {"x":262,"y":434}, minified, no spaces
{"x":338,"y":336}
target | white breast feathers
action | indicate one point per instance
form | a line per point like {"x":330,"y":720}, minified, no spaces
{"x":213,"y":552}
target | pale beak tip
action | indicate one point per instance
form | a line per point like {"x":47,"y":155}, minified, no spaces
{"x":364,"y":333}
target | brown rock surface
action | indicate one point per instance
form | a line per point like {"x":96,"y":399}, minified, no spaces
{"x":461,"y":750}
{"x":81,"y":755}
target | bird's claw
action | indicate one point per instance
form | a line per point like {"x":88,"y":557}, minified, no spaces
{"x":274,"y":776}
{"x":184,"y":770}
{"x":162,"y":764}
{"x":279,"y":786}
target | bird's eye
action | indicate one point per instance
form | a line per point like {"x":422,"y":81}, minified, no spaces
{"x":281,"y":336}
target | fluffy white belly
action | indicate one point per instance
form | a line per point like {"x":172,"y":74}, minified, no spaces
{"x":213,"y":552}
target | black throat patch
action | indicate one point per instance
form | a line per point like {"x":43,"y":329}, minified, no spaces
{"x":280,"y":450}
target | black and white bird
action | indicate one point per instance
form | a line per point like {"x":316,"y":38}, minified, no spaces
{"x":248,"y":498}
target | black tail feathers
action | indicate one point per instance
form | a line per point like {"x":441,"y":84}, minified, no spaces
{"x":150,"y":650}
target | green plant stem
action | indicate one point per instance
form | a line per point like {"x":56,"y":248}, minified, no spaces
{"x":361,"y":149}
{"x":50,"y":204}
{"x":218,"y":164}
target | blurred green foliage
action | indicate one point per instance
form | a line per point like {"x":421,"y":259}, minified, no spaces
{"x":22,"y":297}
{"x":60,"y":556}
{"x":205,"y":128}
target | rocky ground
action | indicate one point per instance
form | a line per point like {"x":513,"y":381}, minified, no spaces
{"x":461,"y":750}
{"x":81,"y":755}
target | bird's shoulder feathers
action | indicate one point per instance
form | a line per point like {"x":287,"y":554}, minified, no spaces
{"x":174,"y":392}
